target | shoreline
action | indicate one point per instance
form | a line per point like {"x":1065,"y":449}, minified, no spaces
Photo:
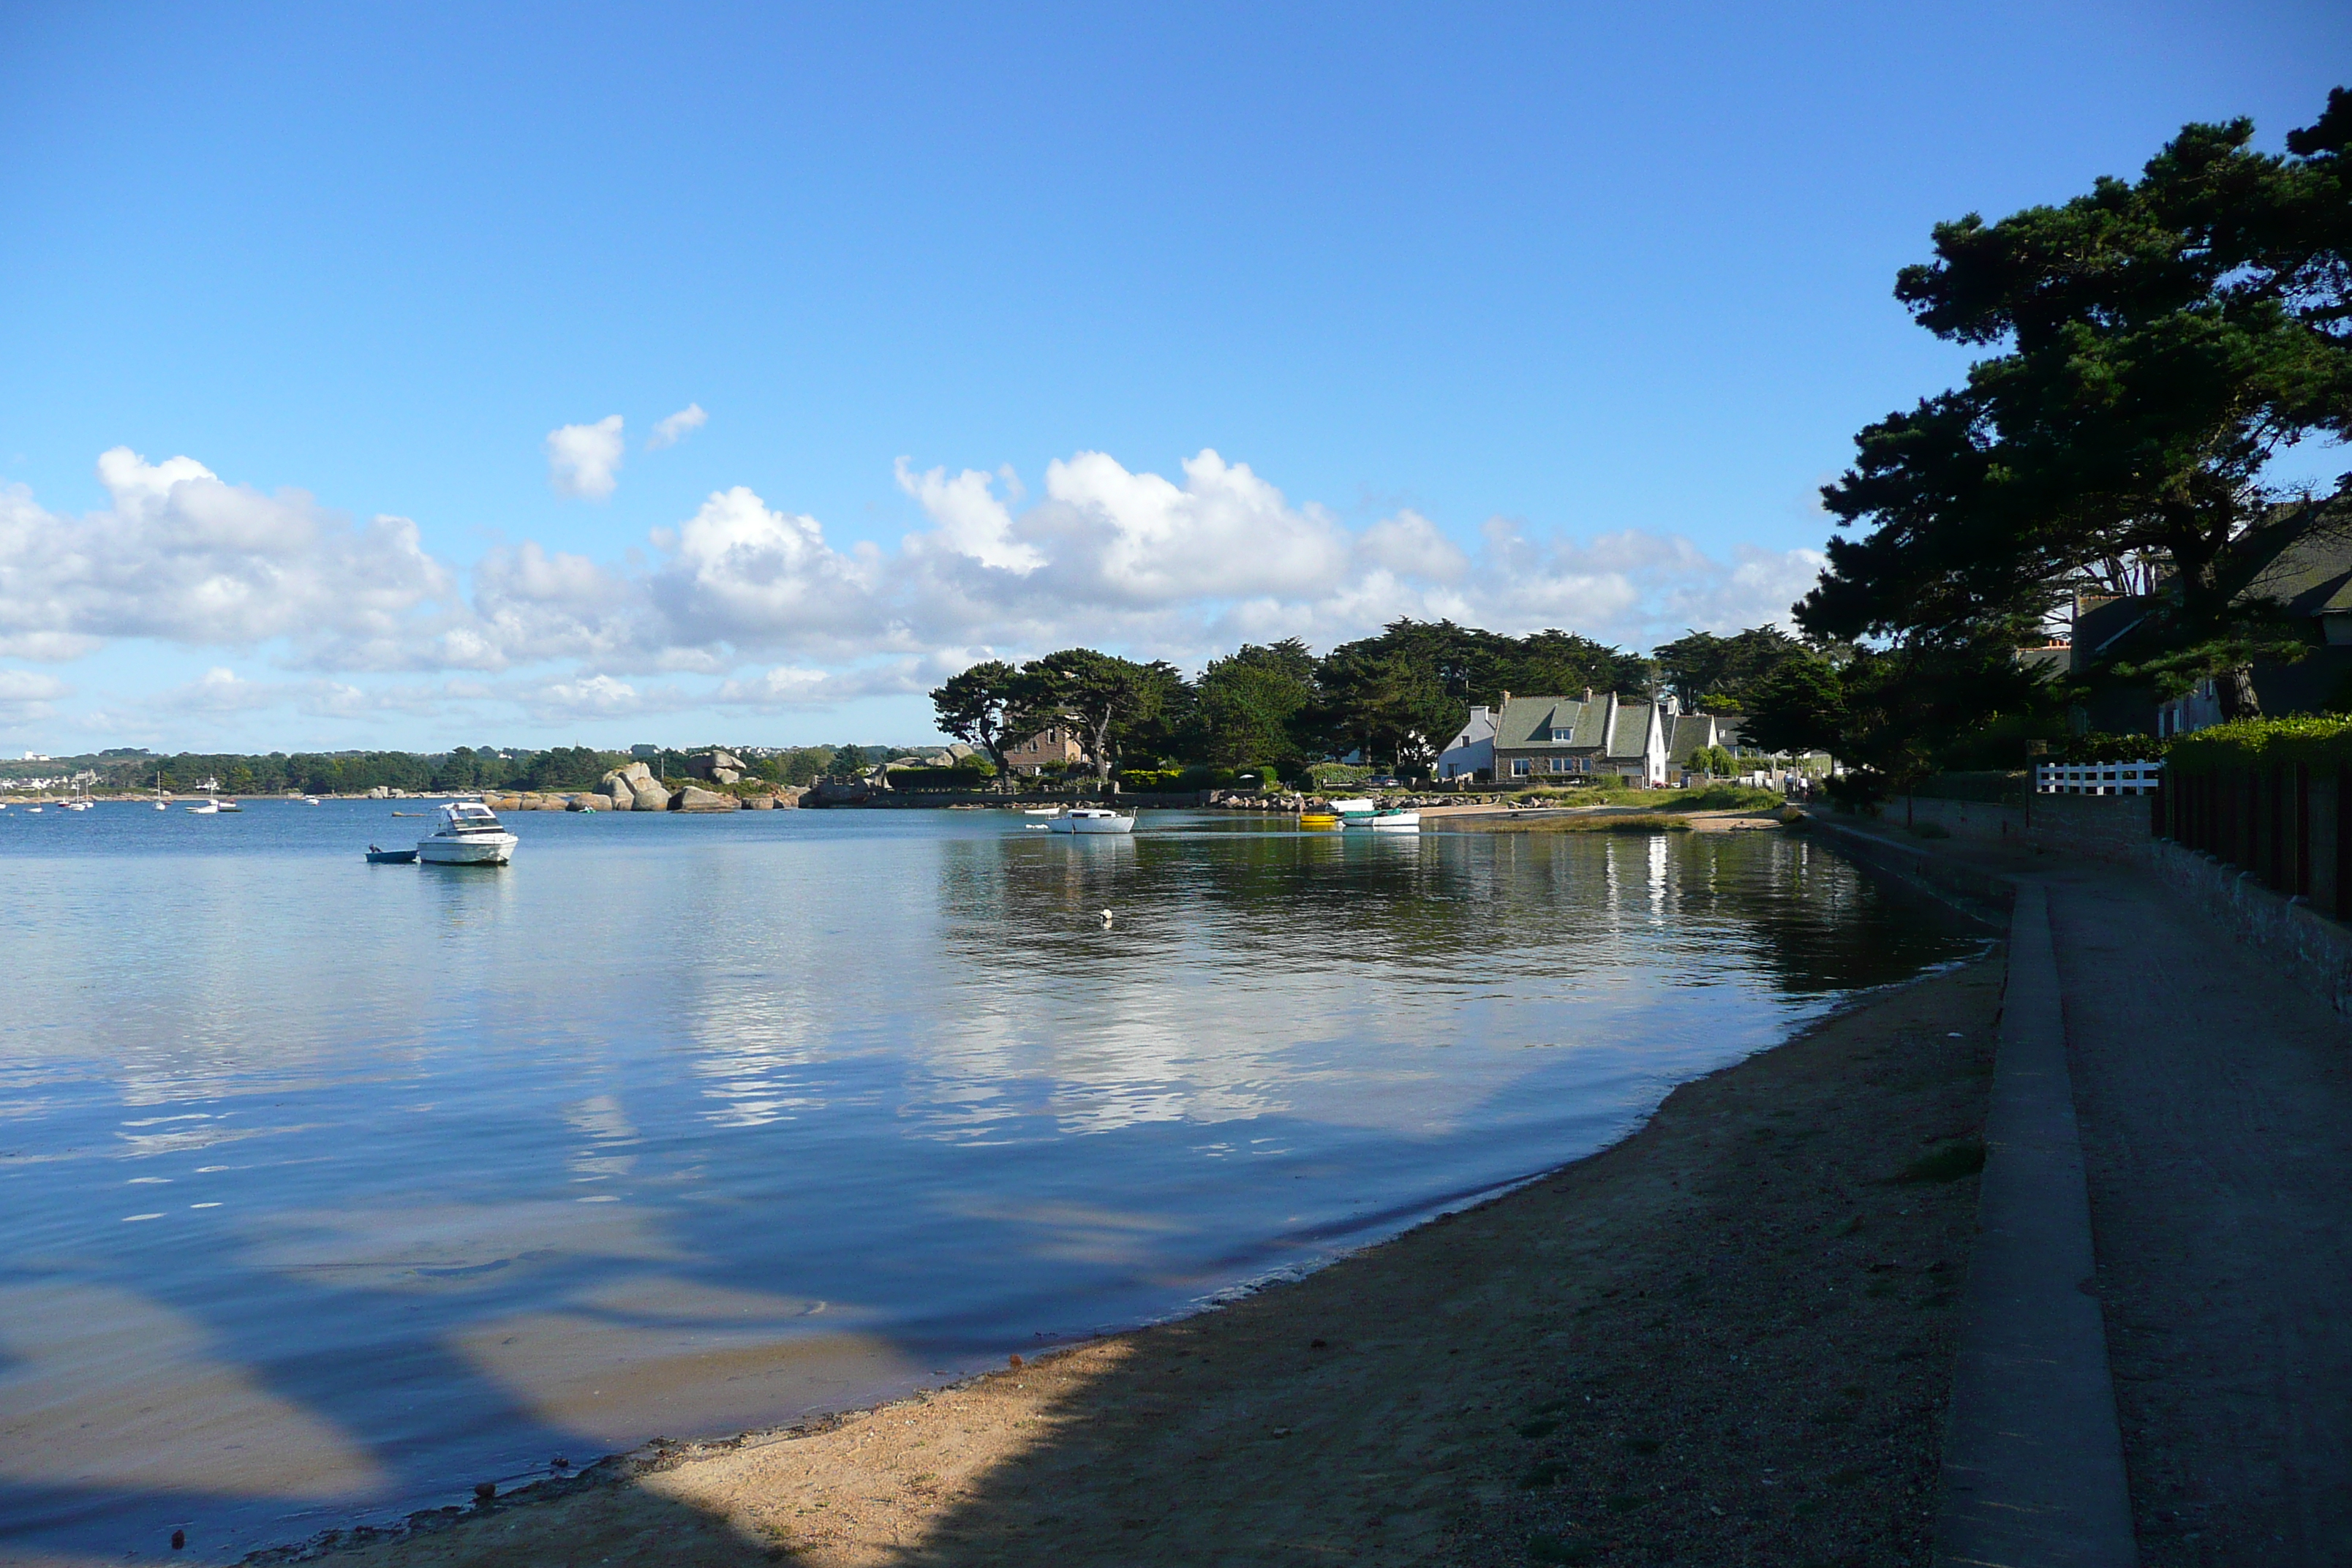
{"x":1104,"y":1419}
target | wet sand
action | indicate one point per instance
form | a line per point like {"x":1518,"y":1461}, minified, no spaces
{"x":1725,"y":1339}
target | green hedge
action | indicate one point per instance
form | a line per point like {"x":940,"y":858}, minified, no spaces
{"x":2318,"y":740}
{"x":1150,"y":781}
{"x":2097,"y":747}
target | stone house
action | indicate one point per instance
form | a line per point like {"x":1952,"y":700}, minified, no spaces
{"x":1567,"y":740}
{"x":1057,"y":746}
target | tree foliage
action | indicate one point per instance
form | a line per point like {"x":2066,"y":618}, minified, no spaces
{"x":1106,"y":700}
{"x":981,"y":706}
{"x":1256,"y":705}
{"x":1711,"y":674}
{"x":2163,"y":340}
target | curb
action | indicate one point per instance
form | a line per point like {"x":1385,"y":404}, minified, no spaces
{"x":2033,"y":1467}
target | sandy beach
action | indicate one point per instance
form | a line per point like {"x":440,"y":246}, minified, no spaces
{"x":1725,"y":1339}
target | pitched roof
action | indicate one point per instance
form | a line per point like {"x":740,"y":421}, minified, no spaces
{"x":1634,"y":721}
{"x":1528,"y":722}
{"x":1531,"y":721}
{"x":2299,"y":558}
{"x":1697,"y":731}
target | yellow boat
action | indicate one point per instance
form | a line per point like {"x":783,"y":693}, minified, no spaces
{"x":1318,"y":819}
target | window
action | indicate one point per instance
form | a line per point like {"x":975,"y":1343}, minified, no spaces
{"x":1563,"y":764}
{"x":1563,"y":734}
{"x":1518,"y":767}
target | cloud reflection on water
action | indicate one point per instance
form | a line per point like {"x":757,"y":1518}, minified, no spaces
{"x":690,"y":1124}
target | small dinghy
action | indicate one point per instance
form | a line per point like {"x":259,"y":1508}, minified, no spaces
{"x":391,"y":857}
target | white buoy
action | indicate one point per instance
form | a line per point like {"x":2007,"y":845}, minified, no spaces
{"x":1106,"y":916}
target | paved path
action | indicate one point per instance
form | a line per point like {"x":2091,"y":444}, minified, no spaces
{"x":2216,"y":1115}
{"x":2033,"y":1469}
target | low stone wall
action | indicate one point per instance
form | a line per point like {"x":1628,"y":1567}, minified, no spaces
{"x":1967,"y":821}
{"x":2314,"y":951}
{"x":2115,"y":827}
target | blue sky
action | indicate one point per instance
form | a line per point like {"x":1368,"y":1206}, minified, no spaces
{"x":1011,"y":328}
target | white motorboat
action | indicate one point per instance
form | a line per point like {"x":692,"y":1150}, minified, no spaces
{"x":470,"y":835}
{"x":206,"y":808}
{"x":1091,"y":819}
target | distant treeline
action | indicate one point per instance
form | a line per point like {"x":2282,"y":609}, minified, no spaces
{"x":466,"y":768}
{"x":1395,"y":699}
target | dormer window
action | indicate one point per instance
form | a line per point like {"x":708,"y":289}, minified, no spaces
{"x":1559,"y":734}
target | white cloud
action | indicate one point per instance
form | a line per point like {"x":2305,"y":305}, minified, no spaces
{"x":183,"y":557}
{"x":1138,"y":539}
{"x":1410,"y":544}
{"x":676,"y":428}
{"x":971,"y":519}
{"x":806,"y":686}
{"x":592,"y":696}
{"x":25,"y":696}
{"x":748,"y":605}
{"x":740,"y":573}
{"x":584,"y":460}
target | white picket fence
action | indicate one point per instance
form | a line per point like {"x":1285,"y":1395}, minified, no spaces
{"x":2098,"y":778}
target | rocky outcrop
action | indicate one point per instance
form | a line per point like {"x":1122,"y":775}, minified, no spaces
{"x":695,"y":798}
{"x":634,"y":788}
{"x":759,"y":803}
{"x":587,"y":803}
{"x":718,"y":768}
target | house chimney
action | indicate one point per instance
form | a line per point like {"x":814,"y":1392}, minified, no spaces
{"x":1588,"y":694}
{"x":1506,"y":700}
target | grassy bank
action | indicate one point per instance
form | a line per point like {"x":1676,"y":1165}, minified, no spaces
{"x":1573,"y":822}
{"x":1699,"y":797}
{"x":1725,"y":1340}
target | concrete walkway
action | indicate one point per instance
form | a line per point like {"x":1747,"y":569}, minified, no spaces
{"x":2033,"y":1469}
{"x":2215,"y":1105}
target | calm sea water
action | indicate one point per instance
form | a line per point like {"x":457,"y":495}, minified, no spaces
{"x":328,"y":1190}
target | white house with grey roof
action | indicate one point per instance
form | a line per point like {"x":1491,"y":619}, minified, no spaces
{"x":1565,"y":740}
{"x":1471,"y":752}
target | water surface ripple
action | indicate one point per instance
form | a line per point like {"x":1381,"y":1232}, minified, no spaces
{"x":328,"y":1190}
